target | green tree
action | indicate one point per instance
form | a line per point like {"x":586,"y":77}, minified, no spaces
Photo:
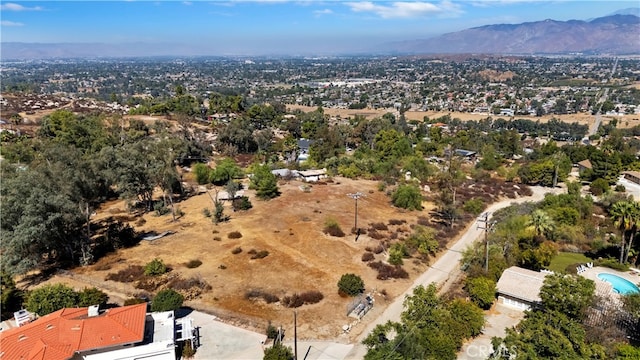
{"x":547,"y":335}
{"x":423,"y":240}
{"x":407,"y":197}
{"x":541,"y":223}
{"x":278,"y":352}
{"x":92,"y":296}
{"x":350,"y":284}
{"x":166,"y":300}
{"x":50,"y":298}
{"x":622,"y":214}
{"x":225,"y":171}
{"x":264,"y":182}
{"x":569,"y":295}
{"x":482,"y":291}
{"x":11,"y":297}
{"x":599,"y":186}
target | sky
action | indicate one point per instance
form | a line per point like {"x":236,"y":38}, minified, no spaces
{"x":273,"y":26}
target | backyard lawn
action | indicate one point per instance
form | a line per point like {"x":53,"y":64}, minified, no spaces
{"x":564,"y":259}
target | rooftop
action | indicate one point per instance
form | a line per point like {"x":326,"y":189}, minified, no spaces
{"x":59,"y":335}
{"x":521,"y":283}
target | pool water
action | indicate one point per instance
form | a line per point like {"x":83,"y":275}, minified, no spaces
{"x":620,"y":285}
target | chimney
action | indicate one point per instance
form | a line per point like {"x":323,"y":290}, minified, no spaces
{"x":93,"y":310}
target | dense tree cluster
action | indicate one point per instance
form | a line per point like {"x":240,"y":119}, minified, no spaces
{"x":430,"y":328}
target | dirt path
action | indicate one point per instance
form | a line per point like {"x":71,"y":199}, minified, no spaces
{"x":444,"y":270}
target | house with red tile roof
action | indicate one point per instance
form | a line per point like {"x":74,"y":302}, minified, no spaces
{"x":124,"y":333}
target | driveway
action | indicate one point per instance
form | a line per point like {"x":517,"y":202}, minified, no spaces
{"x":498,"y":319}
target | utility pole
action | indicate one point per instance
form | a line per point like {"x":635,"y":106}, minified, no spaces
{"x":487,"y":226}
{"x":295,"y":335}
{"x":356,"y":196}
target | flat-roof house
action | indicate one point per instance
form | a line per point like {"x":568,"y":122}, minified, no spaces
{"x":633,"y":176}
{"x":313,"y":175}
{"x":520,"y":288}
{"x":123,"y":333}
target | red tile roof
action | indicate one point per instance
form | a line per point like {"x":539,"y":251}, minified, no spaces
{"x":59,"y":335}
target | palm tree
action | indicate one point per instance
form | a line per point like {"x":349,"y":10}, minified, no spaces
{"x":635,"y":223}
{"x":622,"y":214}
{"x":541,"y":222}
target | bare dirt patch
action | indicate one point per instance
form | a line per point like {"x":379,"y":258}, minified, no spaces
{"x":301,"y":258}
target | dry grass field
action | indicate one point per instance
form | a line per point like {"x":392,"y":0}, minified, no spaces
{"x":301,"y":257}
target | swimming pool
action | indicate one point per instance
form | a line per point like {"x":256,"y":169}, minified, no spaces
{"x":620,"y":285}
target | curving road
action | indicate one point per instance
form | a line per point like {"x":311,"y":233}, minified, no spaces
{"x":446,"y":267}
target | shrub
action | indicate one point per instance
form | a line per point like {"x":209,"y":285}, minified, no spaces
{"x":407,"y":197}
{"x":217,"y":238}
{"x":332,"y":228}
{"x":474,"y":206}
{"x":297,"y":300}
{"x":272,"y":331}
{"x":160,"y":209}
{"x":167,"y":300}
{"x":243,"y":203}
{"x":367,"y":256}
{"x":206,"y":212}
{"x":192,"y":264}
{"x":396,"y":222}
{"x":350,"y":284}
{"x":194,"y":282}
{"x":259,"y":294}
{"x":155,"y":267}
{"x":379,"y":226}
{"x":92,"y":296}
{"x":599,"y":186}
{"x":234,"y":235}
{"x":187,"y":350}
{"x":130,"y":274}
{"x":292,"y":301}
{"x":386,"y":271}
{"x":260,"y":254}
{"x":396,"y":253}
{"x":236,"y":250}
{"x":133,"y":301}
{"x":311,"y":297}
{"x":612,"y":264}
{"x":620,"y":188}
{"x":278,"y":352}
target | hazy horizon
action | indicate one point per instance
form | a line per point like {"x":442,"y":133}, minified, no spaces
{"x":264,"y":27}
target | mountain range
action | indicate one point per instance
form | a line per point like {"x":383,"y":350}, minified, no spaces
{"x":615,"y":34}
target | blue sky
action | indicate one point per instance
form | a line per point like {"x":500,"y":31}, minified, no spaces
{"x":273,"y":26}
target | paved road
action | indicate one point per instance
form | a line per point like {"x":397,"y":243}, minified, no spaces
{"x":603,"y":98}
{"x":441,"y":270}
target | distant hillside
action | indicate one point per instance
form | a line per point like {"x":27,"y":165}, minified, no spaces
{"x":615,"y":34}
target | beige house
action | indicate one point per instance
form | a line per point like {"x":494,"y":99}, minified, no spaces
{"x":520,"y":288}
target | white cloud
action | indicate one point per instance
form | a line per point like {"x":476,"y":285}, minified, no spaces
{"x":404,"y":9}
{"x":10,"y":23}
{"x":187,"y":3}
{"x":319,"y":13}
{"x":18,"y":7}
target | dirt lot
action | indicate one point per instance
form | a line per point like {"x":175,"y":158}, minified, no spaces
{"x":301,"y":257}
{"x":623,"y":121}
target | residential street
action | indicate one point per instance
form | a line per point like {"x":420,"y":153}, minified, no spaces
{"x":443,"y":269}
